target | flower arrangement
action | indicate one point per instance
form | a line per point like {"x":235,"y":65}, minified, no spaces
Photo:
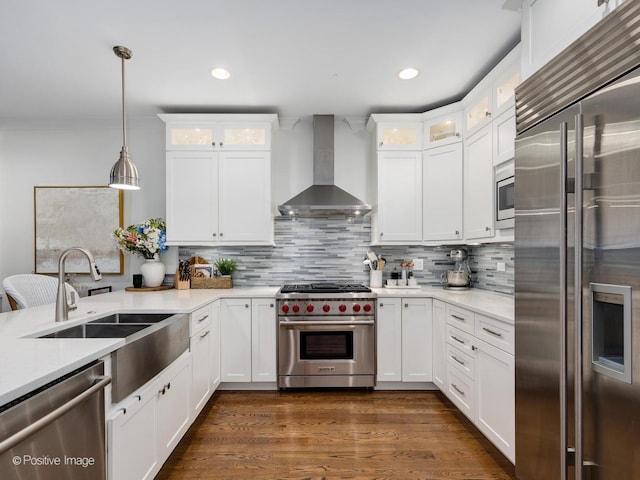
{"x":145,"y":239}
{"x":225,"y":266}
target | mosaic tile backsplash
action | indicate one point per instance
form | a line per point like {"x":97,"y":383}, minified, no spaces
{"x":334,"y":248}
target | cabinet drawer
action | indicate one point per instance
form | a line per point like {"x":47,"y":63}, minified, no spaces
{"x":459,"y":339}
{"x":460,"y":318}
{"x":456,"y":358}
{"x":460,"y":392}
{"x":200,"y":319}
{"x":495,"y":332}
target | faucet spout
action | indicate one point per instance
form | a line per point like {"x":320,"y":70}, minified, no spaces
{"x":62,"y":305}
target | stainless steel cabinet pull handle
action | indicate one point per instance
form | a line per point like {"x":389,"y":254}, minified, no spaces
{"x":138,"y":397}
{"x":474,"y":348}
{"x":123,"y":410}
{"x":457,"y":360}
{"x":203,"y":318}
{"x":455,"y":387}
{"x":51,"y":417}
{"x":458,"y":318}
{"x":453,"y":337}
{"x":495,"y":334}
{"x":205,"y":334}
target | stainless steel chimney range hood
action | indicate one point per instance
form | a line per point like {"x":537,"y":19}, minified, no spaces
{"x":323,"y":198}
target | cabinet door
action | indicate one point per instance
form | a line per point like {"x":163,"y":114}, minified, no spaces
{"x":399,"y":136}
{"x":131,"y":438}
{"x":495,"y":399}
{"x":173,"y":411}
{"x":389,"y":340}
{"x":399,"y":197}
{"x":439,"y":340}
{"x":235,"y":335}
{"x":442,"y":193}
{"x":245,"y":197}
{"x":244,"y":136}
{"x":263,"y":340}
{"x":478,"y":185}
{"x":215,"y":345}
{"x":504,"y":137}
{"x":192,"y":197}
{"x":504,"y":90}
{"x":442,"y":130}
{"x":191,"y":136}
{"x":417,"y":339}
{"x":200,"y":346}
{"x":478,"y":113}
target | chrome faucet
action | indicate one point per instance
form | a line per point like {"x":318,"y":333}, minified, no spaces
{"x":62,"y":305}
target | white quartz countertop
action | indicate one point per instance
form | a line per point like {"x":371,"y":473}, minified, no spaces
{"x":496,"y":305}
{"x":27,"y":363}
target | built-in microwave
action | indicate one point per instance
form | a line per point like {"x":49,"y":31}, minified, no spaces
{"x":505,"y":195}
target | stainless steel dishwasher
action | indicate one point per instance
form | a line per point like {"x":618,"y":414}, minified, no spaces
{"x":58,"y":431}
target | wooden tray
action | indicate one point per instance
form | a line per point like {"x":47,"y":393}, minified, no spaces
{"x":148,"y":289}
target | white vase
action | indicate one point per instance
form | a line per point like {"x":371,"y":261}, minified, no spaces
{"x":152,"y":272}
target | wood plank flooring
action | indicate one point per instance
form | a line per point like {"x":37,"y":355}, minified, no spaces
{"x":334,"y":434}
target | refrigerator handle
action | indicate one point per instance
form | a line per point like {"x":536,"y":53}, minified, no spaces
{"x":564,"y":190}
{"x":579,"y":454}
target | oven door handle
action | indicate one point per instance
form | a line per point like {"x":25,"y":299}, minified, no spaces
{"x":315,"y":323}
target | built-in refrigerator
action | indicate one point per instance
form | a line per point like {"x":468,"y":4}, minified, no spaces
{"x":577,"y":260}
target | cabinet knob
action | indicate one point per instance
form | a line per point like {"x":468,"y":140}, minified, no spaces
{"x":381,"y":233}
{"x":246,"y":305}
{"x":214,"y":234}
{"x":406,"y":305}
{"x":213,"y":144}
{"x":221,"y":145}
{"x":458,"y":134}
{"x":380,"y":144}
{"x":221,"y":234}
{"x":487,"y":229}
{"x":474,"y":348}
{"x":381,"y":305}
{"x":457,"y":232}
{"x":488,"y":114}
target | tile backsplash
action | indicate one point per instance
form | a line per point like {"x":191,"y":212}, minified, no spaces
{"x":333,"y":249}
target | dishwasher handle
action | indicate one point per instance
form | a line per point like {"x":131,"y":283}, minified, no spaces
{"x":16,"y":438}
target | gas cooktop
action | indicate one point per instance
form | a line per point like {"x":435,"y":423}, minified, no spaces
{"x":325,"y":288}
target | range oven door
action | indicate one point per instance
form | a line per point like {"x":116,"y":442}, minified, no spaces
{"x":326,"y":347}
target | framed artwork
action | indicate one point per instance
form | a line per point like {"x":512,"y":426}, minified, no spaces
{"x":85,"y":217}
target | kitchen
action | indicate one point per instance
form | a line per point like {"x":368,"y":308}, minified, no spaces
{"x":148,"y":150}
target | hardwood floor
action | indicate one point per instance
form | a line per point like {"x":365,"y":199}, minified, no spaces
{"x":334,"y":434}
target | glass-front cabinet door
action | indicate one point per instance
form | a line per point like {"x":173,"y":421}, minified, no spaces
{"x":399,"y":136}
{"x":478,"y":113}
{"x":504,"y":91}
{"x":442,"y":130}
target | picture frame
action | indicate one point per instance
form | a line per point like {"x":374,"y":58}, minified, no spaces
{"x":77,"y":216}
{"x":202,"y":270}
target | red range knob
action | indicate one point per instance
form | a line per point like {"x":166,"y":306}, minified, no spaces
{"x":296,"y":308}
{"x":309,"y":308}
{"x":326,"y":308}
{"x":356,"y":308}
{"x":285,"y":308}
{"x":367,"y":308}
{"x":342,"y":308}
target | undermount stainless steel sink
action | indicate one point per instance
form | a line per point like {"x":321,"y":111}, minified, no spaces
{"x":153,"y":342}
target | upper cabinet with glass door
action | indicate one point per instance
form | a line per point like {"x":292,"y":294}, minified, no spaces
{"x":219,"y":132}
{"x":442,"y":126}
{"x":398,"y":132}
{"x":494,"y":95}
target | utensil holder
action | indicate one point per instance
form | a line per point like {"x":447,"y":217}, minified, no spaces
{"x":375,"y":279}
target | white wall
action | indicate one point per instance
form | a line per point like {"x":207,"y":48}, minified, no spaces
{"x":81,"y":153}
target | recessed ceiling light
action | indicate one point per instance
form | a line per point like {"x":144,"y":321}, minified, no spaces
{"x":408,"y":73}
{"x":220,"y":73}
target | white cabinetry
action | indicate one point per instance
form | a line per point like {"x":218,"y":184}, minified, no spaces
{"x":549,"y":26}
{"x":248,"y":340}
{"x":398,"y":132}
{"x":202,"y":351}
{"x":480,"y":373}
{"x":211,"y":165}
{"x":442,"y":193}
{"x":439,"y":342}
{"x":478,"y":185}
{"x":442,"y":128}
{"x":145,"y":428}
{"x":404,"y":340}
{"x":215,"y":345}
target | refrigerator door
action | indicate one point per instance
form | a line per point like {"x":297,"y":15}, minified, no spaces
{"x":540,"y":199}
{"x":611,"y":281}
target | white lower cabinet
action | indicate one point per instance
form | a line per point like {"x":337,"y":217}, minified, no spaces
{"x":439,"y":341}
{"x":404,"y":340}
{"x":146,"y":427}
{"x":202,"y":354}
{"x":480,"y":375}
{"x":248,"y":346}
{"x":215,"y":345}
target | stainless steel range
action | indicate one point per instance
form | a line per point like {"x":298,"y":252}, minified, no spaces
{"x":326,"y":336}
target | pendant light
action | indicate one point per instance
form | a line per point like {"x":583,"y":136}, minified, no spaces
{"x":124,"y":174}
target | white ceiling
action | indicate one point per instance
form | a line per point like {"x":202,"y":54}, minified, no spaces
{"x":291,"y":57}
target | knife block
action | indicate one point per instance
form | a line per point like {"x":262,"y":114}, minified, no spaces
{"x":180,"y":284}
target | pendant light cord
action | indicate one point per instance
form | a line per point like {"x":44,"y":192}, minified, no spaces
{"x":124,"y":110}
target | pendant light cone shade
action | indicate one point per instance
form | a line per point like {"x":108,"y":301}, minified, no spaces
{"x":124,"y":174}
